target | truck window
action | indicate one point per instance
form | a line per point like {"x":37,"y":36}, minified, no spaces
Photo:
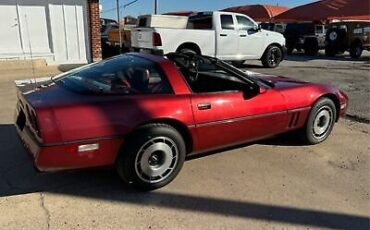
{"x":200,"y":22}
{"x":246,"y":24}
{"x":227,"y":22}
{"x":142,"y":22}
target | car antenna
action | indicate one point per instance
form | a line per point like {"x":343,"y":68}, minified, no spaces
{"x":31,"y":53}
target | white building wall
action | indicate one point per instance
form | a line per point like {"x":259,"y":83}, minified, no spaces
{"x":56,"y":30}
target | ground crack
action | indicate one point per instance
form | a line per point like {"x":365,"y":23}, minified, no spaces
{"x":47,"y":213}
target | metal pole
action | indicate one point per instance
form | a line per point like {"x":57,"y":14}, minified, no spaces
{"x":119,"y":26}
{"x":155,"y":6}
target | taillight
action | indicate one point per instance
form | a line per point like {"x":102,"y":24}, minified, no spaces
{"x":157,"y":41}
{"x":33,"y":120}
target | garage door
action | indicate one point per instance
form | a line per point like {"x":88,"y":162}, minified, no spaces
{"x":55,"y":30}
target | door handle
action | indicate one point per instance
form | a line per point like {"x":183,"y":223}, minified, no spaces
{"x":204,"y":106}
{"x":243,"y":35}
{"x":223,"y":35}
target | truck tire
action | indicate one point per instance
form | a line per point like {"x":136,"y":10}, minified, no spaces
{"x":335,"y":41}
{"x":311,"y":47}
{"x":272,"y":56}
{"x":356,"y":50}
{"x":238,"y":63}
{"x":330,"y":52}
{"x":187,"y":51}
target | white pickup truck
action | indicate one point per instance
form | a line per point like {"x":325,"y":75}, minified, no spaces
{"x":227,"y":36}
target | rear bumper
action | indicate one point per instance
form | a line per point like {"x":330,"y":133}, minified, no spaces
{"x":66,"y":155}
{"x":158,"y":52}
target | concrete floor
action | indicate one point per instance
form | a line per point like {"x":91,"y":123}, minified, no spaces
{"x":273,"y":184}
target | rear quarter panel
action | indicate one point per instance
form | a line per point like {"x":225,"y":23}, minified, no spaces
{"x":120,"y":116}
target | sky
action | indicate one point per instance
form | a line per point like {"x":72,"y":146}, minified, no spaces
{"x":147,"y":6}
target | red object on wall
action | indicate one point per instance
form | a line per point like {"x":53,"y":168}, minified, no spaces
{"x":260,"y":13}
{"x":328,"y":10}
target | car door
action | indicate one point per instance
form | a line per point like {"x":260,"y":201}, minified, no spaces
{"x":226,"y":118}
{"x":251,"y":39}
{"x":226,"y":37}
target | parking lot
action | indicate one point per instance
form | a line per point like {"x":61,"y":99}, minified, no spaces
{"x":273,"y":184}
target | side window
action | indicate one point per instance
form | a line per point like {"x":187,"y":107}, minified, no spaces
{"x":200,"y":22}
{"x":244,"y":23}
{"x":227,"y":22}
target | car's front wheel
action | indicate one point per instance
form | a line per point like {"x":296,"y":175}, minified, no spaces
{"x":272,"y":57}
{"x":320,"y":122}
{"x":152,"y":157}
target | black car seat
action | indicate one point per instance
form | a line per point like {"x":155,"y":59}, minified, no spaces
{"x":140,"y":80}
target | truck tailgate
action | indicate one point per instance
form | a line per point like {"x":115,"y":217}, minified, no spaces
{"x":142,"y":38}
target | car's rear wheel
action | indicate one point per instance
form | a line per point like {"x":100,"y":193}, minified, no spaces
{"x":152,"y":157}
{"x":272,"y":57}
{"x":320,"y":122}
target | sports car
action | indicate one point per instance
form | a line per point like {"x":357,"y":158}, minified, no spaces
{"x":145,"y":114}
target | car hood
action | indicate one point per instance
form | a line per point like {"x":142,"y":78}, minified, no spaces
{"x":282,"y":82}
{"x":300,"y":94}
{"x":278,"y":81}
{"x":274,"y":35}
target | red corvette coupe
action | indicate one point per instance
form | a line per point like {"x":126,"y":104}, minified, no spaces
{"x":145,"y":114}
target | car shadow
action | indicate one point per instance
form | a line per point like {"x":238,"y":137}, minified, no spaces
{"x":17,"y":176}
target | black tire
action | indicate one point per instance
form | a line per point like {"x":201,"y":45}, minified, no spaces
{"x":335,"y":41}
{"x":320,"y":122}
{"x":289,"y":50}
{"x":356,"y":50}
{"x":238,"y":63}
{"x":330,"y":52}
{"x":151,"y":149}
{"x":187,"y":51}
{"x":272,"y":57}
{"x":311,"y":47}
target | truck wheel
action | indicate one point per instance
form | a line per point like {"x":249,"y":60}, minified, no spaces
{"x":152,"y":157}
{"x":330,"y":52}
{"x":312,"y":51}
{"x":311,"y":47}
{"x":272,"y":57}
{"x":238,"y":63}
{"x":187,"y":51}
{"x":289,"y":50}
{"x":356,"y":50}
{"x":320,"y":122}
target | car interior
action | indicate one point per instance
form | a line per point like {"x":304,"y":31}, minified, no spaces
{"x":204,"y":75}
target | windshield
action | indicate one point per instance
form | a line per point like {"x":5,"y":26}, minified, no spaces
{"x":124,"y":75}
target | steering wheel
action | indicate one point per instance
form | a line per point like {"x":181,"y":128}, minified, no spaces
{"x":193,"y":66}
